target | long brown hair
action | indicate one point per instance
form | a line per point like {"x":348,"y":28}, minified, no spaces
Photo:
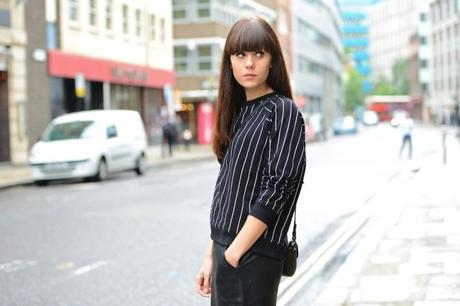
{"x":246,"y":35}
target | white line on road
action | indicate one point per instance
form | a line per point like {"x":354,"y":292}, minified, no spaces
{"x":16,"y":265}
{"x":88,"y":268}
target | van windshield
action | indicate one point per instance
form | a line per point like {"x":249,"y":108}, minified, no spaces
{"x":70,"y":130}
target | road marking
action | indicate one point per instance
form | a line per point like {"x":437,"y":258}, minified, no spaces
{"x":88,"y":268}
{"x":16,"y":265}
{"x":66,"y":265}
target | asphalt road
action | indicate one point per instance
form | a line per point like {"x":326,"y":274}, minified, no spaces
{"x":140,"y":240}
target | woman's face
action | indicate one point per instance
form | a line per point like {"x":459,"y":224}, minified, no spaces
{"x":251,"y":69}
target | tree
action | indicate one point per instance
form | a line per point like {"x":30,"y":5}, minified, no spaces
{"x":384,"y":87}
{"x":354,"y":94}
{"x":401,"y":80}
{"x":400,"y":83}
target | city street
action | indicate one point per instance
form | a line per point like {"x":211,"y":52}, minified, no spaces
{"x":140,"y":240}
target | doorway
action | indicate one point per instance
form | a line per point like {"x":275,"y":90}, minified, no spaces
{"x":4,"y":118}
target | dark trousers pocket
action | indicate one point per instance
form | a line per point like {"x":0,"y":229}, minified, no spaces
{"x":253,"y":283}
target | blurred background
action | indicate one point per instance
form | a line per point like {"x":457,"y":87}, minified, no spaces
{"x":76,"y":228}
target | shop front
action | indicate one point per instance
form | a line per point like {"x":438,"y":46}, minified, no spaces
{"x":83,"y":83}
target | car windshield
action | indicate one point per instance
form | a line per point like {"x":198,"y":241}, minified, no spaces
{"x":69,"y":130}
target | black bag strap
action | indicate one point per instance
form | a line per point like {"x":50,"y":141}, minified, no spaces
{"x":294,"y":228}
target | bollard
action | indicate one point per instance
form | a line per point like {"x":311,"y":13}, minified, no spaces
{"x":444,"y":147}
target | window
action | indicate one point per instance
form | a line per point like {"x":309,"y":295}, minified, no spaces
{"x":108,"y":14}
{"x":179,"y":9}
{"x":436,"y":12}
{"x":73,"y":10}
{"x":138,"y":22}
{"x":303,"y":64}
{"x":51,"y":32}
{"x":424,"y":63}
{"x":423,"y":40}
{"x":314,"y":68}
{"x":5,"y":18}
{"x":425,"y":88}
{"x":423,"y":16}
{"x":153,"y":28}
{"x":181,"y":58}
{"x":93,"y":12}
{"x":204,"y":57}
{"x":125,"y":13}
{"x":162,"y":29}
{"x":203,"y":8}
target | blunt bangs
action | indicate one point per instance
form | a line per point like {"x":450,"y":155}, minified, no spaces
{"x":249,"y":35}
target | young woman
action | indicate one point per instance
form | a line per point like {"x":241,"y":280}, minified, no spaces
{"x":259,"y":140}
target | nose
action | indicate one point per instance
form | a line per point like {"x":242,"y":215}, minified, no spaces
{"x":249,"y":61}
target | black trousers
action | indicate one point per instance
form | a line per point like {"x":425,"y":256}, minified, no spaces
{"x":253,"y":283}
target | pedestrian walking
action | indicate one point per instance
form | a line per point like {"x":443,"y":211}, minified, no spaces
{"x":259,"y":140}
{"x":169,"y":136}
{"x":406,"y":125}
{"x":187,"y":137}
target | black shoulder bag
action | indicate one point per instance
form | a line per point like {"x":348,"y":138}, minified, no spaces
{"x":292,"y":252}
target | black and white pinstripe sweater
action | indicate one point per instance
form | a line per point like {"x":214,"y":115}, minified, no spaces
{"x":261,"y":173}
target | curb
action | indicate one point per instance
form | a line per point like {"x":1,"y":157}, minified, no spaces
{"x":156,"y":164}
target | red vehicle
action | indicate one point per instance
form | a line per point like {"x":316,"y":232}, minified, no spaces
{"x":384,"y":106}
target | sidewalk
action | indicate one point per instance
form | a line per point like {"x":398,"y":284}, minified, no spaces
{"x":19,"y":175}
{"x":409,"y":253}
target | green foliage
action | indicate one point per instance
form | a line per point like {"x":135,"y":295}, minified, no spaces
{"x":401,"y":80}
{"x":383,"y":87}
{"x":400,"y":84}
{"x":354,"y":94}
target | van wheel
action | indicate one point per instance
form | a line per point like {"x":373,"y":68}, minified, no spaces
{"x":140,"y":165}
{"x":42,"y":183}
{"x":102,"y":172}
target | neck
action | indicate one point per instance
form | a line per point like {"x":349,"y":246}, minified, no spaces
{"x":254,"y":93}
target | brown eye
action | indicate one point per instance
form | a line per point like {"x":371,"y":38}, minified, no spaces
{"x":260,"y":53}
{"x":239,"y":55}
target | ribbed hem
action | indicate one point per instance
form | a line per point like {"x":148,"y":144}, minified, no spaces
{"x":261,"y":246}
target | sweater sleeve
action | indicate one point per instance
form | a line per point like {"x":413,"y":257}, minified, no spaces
{"x":286,"y":158}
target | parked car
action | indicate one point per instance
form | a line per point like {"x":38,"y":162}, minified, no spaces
{"x":309,"y":131}
{"x":370,"y":118}
{"x":397,"y":117}
{"x":91,"y":145}
{"x":319,"y":126}
{"x":345,"y":125}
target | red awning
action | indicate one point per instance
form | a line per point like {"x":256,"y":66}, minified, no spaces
{"x":68,"y":66}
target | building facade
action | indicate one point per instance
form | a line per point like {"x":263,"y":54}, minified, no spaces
{"x":318,"y":57}
{"x":13,"y":85}
{"x":355,"y":38}
{"x":399,"y":31}
{"x":101,"y":54}
{"x":444,"y":104}
{"x":309,"y":32}
{"x":200,"y":30}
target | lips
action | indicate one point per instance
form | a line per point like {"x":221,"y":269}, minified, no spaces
{"x":249,"y":75}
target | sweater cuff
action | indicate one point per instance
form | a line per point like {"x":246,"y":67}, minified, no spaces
{"x":264,"y":214}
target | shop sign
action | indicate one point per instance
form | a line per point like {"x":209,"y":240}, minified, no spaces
{"x":129,"y":74}
{"x":80,"y":90}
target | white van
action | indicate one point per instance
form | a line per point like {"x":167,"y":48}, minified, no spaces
{"x":90,"y":145}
